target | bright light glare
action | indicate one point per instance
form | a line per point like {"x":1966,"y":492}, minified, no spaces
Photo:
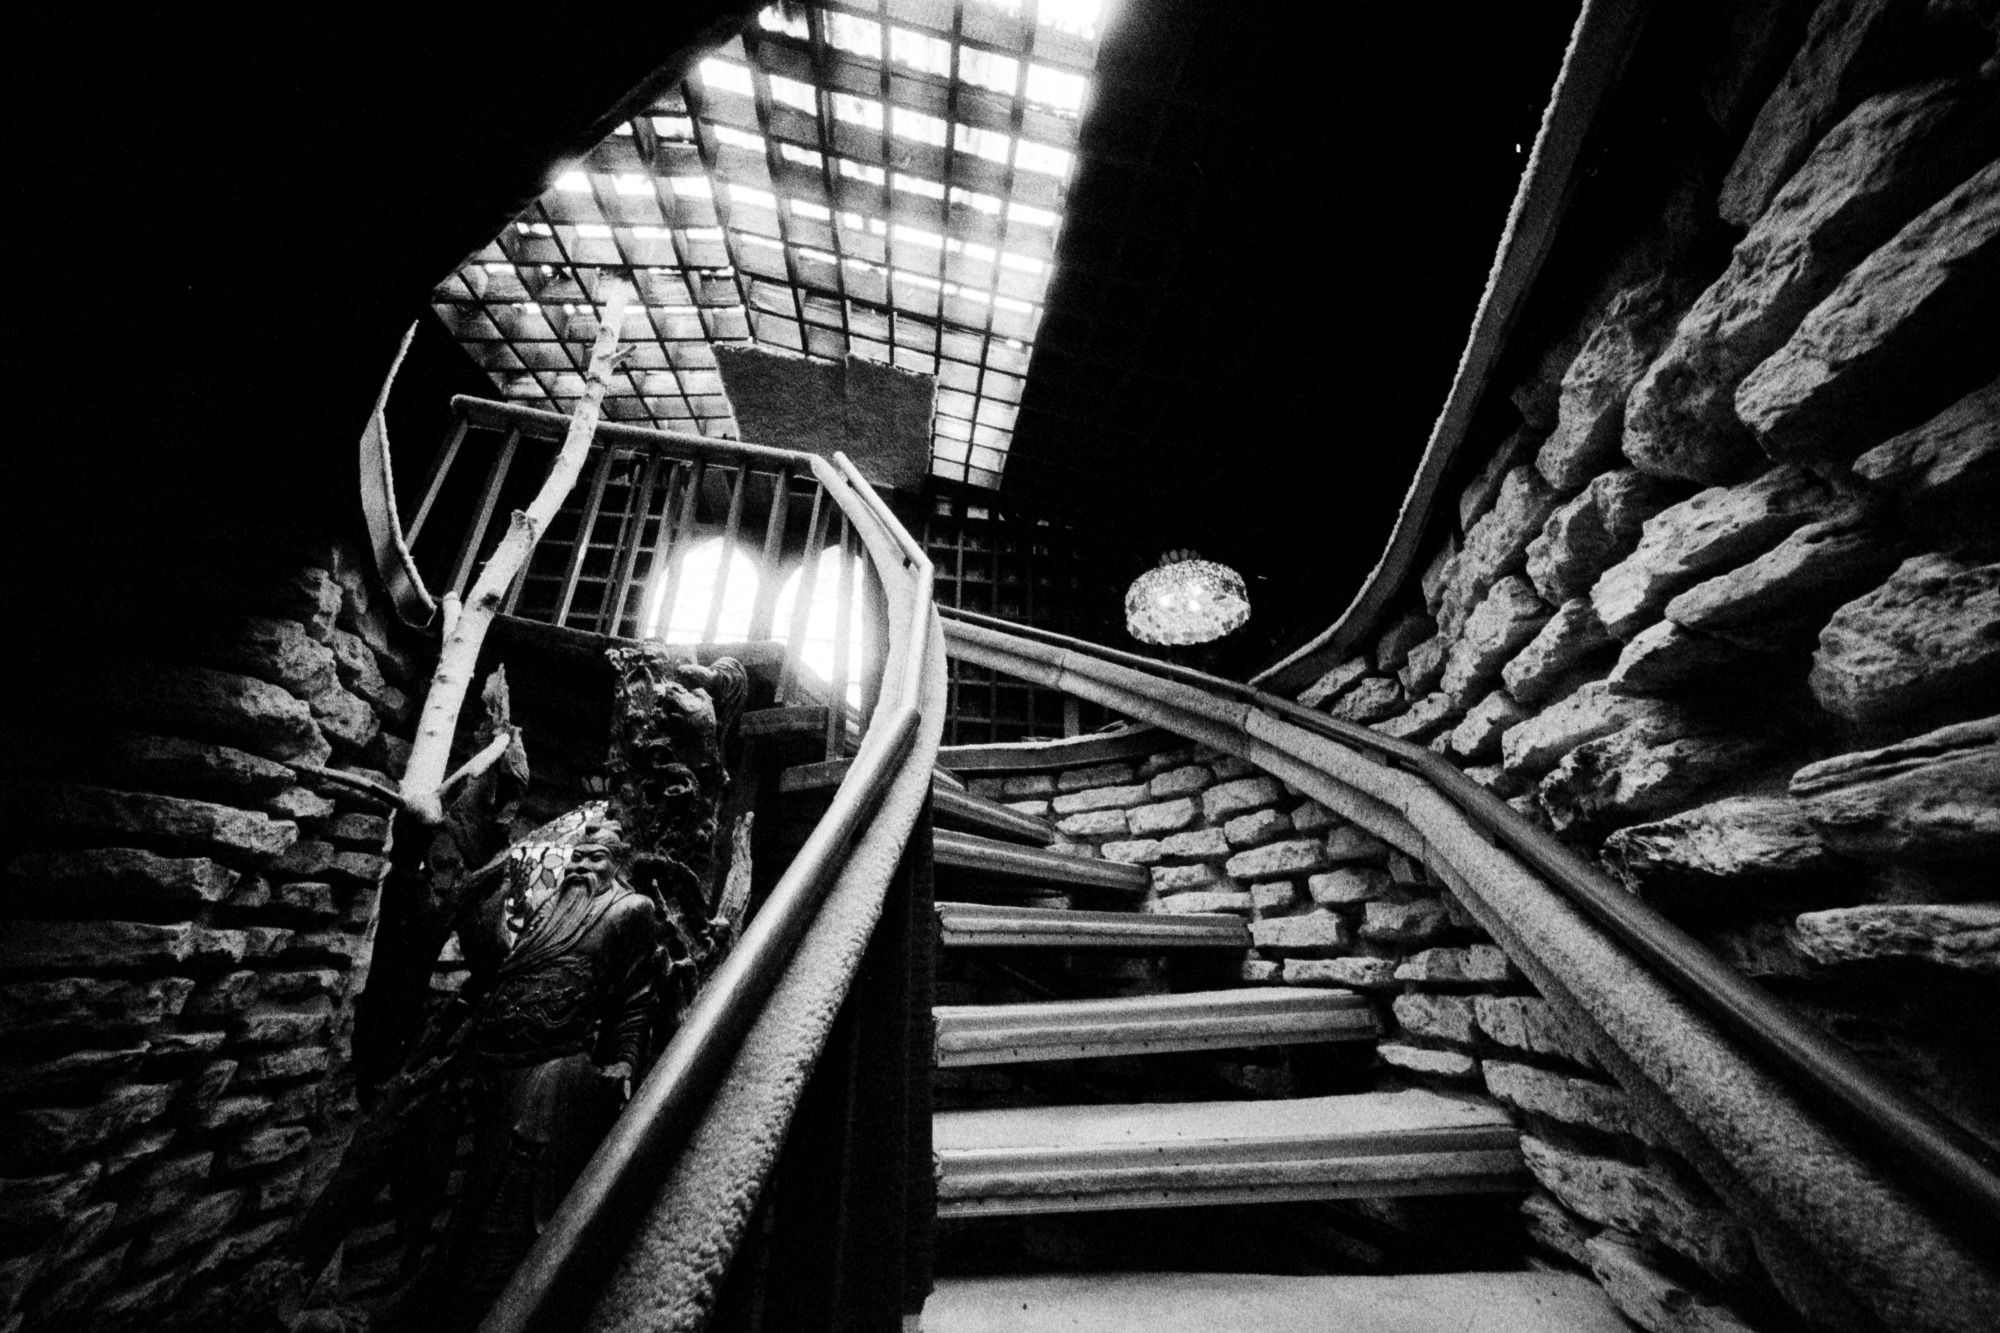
{"x":822,"y":615}
{"x":694,"y":594}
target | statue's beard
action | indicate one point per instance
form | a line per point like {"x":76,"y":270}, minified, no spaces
{"x":580,"y":879}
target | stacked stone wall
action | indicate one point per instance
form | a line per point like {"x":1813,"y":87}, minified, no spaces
{"x":191,"y":920}
{"x":1727,"y":618}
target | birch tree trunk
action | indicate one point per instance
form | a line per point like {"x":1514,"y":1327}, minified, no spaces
{"x":423,"y":778}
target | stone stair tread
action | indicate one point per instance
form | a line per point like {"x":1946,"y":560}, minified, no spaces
{"x":996,"y":926}
{"x":988,"y":1034}
{"x":1051,"y":1159}
{"x":989,"y":857}
{"x":1513,"y":1302}
{"x":952,"y":807}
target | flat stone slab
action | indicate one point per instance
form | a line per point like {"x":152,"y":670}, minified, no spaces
{"x":986,"y":926}
{"x":1057,"y":1159}
{"x":1260,"y":1303}
{"x":997,"y":1034}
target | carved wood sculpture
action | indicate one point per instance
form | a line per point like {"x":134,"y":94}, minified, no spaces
{"x":583,"y":955}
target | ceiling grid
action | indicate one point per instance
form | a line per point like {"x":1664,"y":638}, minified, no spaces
{"x":881,"y":178}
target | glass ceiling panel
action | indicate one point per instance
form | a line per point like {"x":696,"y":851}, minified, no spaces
{"x":845,"y":178}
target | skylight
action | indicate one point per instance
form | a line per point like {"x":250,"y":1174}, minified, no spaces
{"x":885,"y":180}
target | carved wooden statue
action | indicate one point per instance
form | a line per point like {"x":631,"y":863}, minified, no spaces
{"x":580,"y":967}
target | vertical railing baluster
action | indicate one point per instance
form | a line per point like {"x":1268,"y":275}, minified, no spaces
{"x":585,"y":527}
{"x":730,"y":527}
{"x":836,"y":717}
{"x":795,"y":638}
{"x":631,"y":532}
{"x":774,"y":551}
{"x":677,"y":541}
{"x":496,"y":477}
{"x":656,"y":554}
{"x":436,"y":482}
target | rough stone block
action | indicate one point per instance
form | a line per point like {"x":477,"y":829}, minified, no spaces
{"x":1455,"y":1065}
{"x":1887,"y":349}
{"x":1185,"y":879}
{"x":171,"y":823}
{"x":1259,"y":971}
{"x":1333,"y":682}
{"x":1666,"y":658}
{"x":1094,"y":824}
{"x":1616,"y":1194}
{"x":1347,"y":844}
{"x":103,"y":878}
{"x":1374,"y":698}
{"x":1164,"y":817}
{"x":1132,"y":851}
{"x":1213,"y":901}
{"x":1714,"y":845}
{"x":1478,"y":964}
{"x":1348,"y":885}
{"x":1796,"y":583}
{"x":363,"y":832}
{"x":301,"y":805}
{"x":362,"y":675}
{"x":1233,"y":798}
{"x":1320,"y":933}
{"x":1202,"y":844}
{"x":1256,"y":828}
{"x":36,"y":1140}
{"x":1510,"y":615}
{"x":1889,"y":158}
{"x":264,"y":1148}
{"x":274,"y":650}
{"x":1427,"y":717}
{"x":1183,"y":781}
{"x":1721,"y":527}
{"x":1445,"y":1018}
{"x":1934,"y":797}
{"x":1275,"y":898}
{"x":1028,"y":784}
{"x":1413,"y":922}
{"x":1098,"y":775}
{"x":1591,"y":712}
{"x":1099,"y":798}
{"x":1479,"y":493}
{"x":89,"y":1006}
{"x":345,"y":719}
{"x":1353,"y":972}
{"x":1590,"y":413}
{"x":1931,"y":634}
{"x":1394,"y":647}
{"x":1312,"y":817}
{"x":1589,"y":534}
{"x":1954,"y":458}
{"x":177,"y":766}
{"x":1571,"y":637}
{"x":197,"y":1223}
{"x":1437,"y":574}
{"x":1035,"y":808}
{"x":1530,"y":1024}
{"x":89,"y":945}
{"x":1587,"y":1103}
{"x":1650,"y":1297}
{"x":1556,"y":1228}
{"x":273,"y":1066}
{"x":1625,"y":776}
{"x":1497,"y":545}
{"x":1294,"y":856}
{"x":1963,"y":936}
{"x":1477,"y":736}
{"x":222,"y":706}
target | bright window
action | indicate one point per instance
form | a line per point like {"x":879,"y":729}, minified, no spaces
{"x":822,"y":615}
{"x":695,"y":593}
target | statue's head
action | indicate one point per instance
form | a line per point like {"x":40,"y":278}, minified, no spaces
{"x":593,"y":862}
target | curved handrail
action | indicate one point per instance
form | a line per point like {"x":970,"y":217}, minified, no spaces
{"x":582,"y":1238}
{"x":1950,"y":1166}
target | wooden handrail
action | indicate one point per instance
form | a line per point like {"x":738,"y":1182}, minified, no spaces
{"x":585,"y":1236}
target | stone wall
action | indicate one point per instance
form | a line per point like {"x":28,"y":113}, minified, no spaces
{"x":1722,"y":610}
{"x":190,"y":923}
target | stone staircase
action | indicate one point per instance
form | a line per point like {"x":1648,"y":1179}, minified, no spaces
{"x":1012,"y":898}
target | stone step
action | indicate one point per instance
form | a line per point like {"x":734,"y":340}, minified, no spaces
{"x":1514,"y":1302}
{"x":952,"y":807}
{"x":990,"y":926}
{"x":1034,"y":867}
{"x":1065,"y":1159}
{"x":999,"y":1034}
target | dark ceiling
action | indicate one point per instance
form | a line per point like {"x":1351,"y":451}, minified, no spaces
{"x":1271,"y":258}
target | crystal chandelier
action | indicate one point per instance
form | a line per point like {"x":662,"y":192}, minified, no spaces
{"x":1185,"y":599}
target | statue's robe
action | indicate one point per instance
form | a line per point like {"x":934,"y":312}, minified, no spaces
{"x":574,"y":994}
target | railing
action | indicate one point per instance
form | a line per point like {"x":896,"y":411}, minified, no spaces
{"x":615,"y":561}
{"x":850,"y":854}
{"x":1736,"y":1121}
